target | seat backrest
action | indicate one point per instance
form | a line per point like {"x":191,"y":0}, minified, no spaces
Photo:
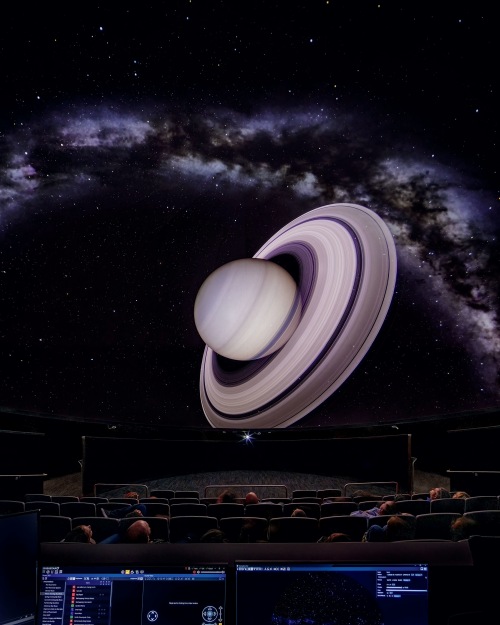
{"x":306,"y":500}
{"x":335,"y":508}
{"x":9,"y":506}
{"x":353,"y":526}
{"x":312,"y":510}
{"x":187,"y":493}
{"x":286,"y":529}
{"x":435,"y":525}
{"x":264,"y":509}
{"x":95,"y":499}
{"x":248,"y":529}
{"x":173,"y":500}
{"x":380,"y":519}
{"x":108,"y":506}
{"x":414,"y":506}
{"x":154,"y":499}
{"x":422,"y":495}
{"x":328,"y":492}
{"x":189,"y":529}
{"x":37,"y":497}
{"x":303,"y":493}
{"x":368,"y":504}
{"x":481,"y":502}
{"x":155,"y":508}
{"x":448,"y":504}
{"x":188,"y":509}
{"x":219,"y":510}
{"x":78,"y":508}
{"x":53,"y":528}
{"x":101,"y":527}
{"x":162,"y":492}
{"x":64,"y":498}
{"x":487,"y":522}
{"x":45,"y":507}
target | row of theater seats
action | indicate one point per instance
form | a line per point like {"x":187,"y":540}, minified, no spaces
{"x":177,"y":506}
{"x":431,"y":526}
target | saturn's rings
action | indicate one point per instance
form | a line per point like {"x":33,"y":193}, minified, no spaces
{"x":347,"y":265}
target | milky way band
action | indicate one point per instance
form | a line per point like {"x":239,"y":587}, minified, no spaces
{"x":346,"y":261}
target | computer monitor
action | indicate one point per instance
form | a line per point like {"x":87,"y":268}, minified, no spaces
{"x":285,"y":593}
{"x":140,"y":595}
{"x":19,"y":552}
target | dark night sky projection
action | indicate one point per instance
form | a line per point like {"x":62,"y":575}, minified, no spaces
{"x":326,"y":600}
{"x":146,"y":145}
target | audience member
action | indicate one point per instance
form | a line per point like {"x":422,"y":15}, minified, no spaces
{"x":460,"y":494}
{"x":335,"y":537}
{"x":439,"y":493}
{"x":386,"y":507}
{"x":137,"y":532}
{"x":398,"y":527}
{"x":462,"y":528}
{"x":131,"y":494}
{"x":252,"y":532}
{"x":136,"y":509}
{"x":251,"y":497}
{"x":227,"y":496}
{"x":79,"y":534}
{"x":298,"y":512}
{"x":214,"y":535}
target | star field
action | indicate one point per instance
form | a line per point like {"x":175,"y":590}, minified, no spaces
{"x":141,"y":148}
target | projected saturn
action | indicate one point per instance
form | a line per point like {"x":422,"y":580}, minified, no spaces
{"x":284,"y":329}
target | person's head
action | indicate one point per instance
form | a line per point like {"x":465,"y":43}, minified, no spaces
{"x":401,"y":527}
{"x":252,"y":532}
{"x":462,"y":528}
{"x":298,"y":512}
{"x":214,"y":535}
{"x":460,"y":494}
{"x":335,"y":537}
{"x":388,"y":507}
{"x":80,"y":534}
{"x":132,"y":494}
{"x":439,"y":493}
{"x":138,"y":532}
{"x":251,"y":497}
{"x":227,"y":496}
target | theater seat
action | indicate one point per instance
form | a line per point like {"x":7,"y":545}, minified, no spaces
{"x":45,"y":507}
{"x":53,"y":528}
{"x":188,"y":509}
{"x":219,"y":510}
{"x":487,"y":522}
{"x":9,"y":506}
{"x":101,"y":527}
{"x":232,"y":528}
{"x":265,"y":509}
{"x":288,"y":529}
{"x":435,"y":525}
{"x":481,"y":502}
{"x":160,"y":529}
{"x":189,"y":529}
{"x":77,"y":508}
{"x":353,"y":526}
